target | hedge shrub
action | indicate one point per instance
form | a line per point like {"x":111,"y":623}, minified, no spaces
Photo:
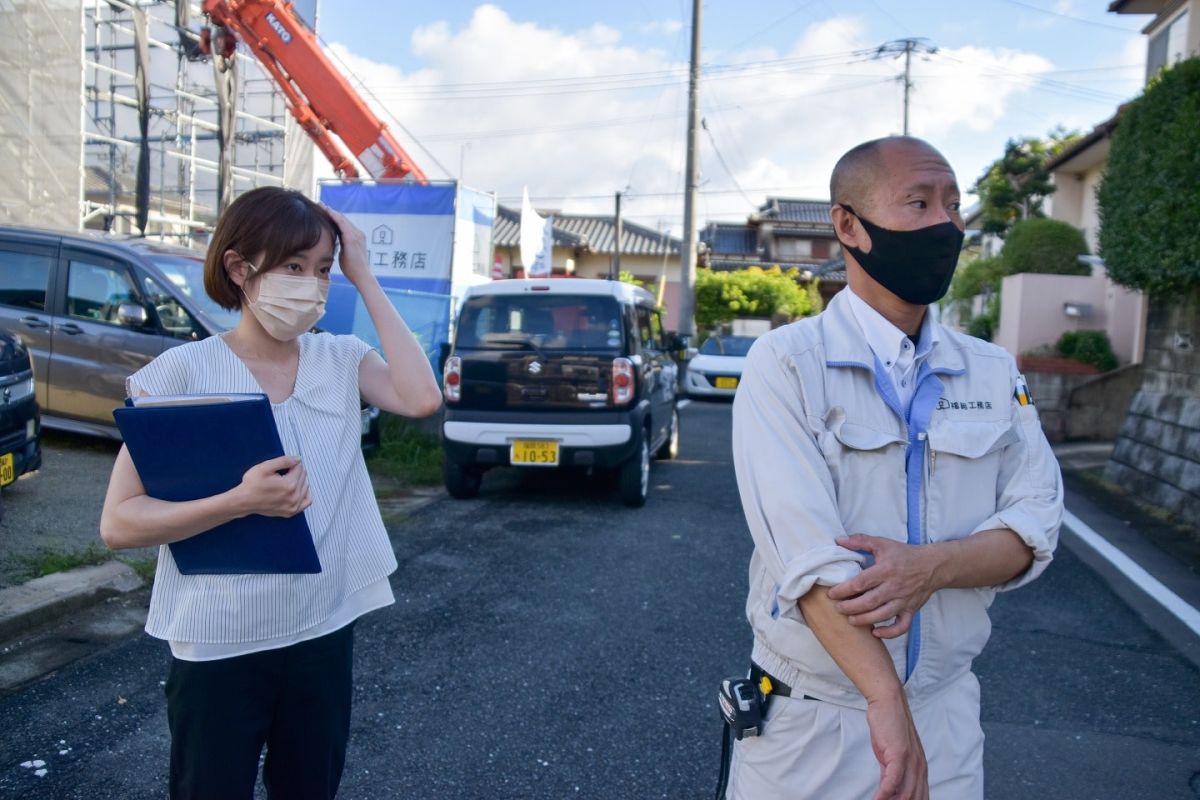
{"x":1090,"y":347}
{"x":1150,"y":197}
{"x":1044,"y":245}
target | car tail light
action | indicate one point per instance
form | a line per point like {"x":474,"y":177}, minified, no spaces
{"x":622,"y":381}
{"x":452,"y":379}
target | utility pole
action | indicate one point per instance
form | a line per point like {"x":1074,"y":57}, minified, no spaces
{"x":687,"y":276}
{"x":614,"y":269}
{"x":907,"y":47}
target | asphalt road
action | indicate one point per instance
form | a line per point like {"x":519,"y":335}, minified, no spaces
{"x":57,"y":508}
{"x":549,"y":643}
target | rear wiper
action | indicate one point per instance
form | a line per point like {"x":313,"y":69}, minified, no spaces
{"x":524,"y":342}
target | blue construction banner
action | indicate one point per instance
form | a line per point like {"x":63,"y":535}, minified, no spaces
{"x":410,"y":231}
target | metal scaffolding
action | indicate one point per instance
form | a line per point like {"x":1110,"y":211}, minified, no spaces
{"x":100,"y":93}
{"x":184,"y":130}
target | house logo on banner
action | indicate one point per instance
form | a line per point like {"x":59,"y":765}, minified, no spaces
{"x":537,"y":240}
{"x":426,"y":243}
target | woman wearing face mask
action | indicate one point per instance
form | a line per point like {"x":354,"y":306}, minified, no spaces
{"x":266,"y":659}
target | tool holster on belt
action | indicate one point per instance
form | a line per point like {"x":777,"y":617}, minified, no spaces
{"x":743,"y":703}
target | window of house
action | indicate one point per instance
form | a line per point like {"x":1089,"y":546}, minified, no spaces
{"x":795,"y":248}
{"x":1167,"y":46}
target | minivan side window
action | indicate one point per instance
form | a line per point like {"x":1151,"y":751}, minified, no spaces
{"x":646,"y":328}
{"x":657,"y":329}
{"x":175,"y":319}
{"x":94,"y":291}
{"x":24,"y":278}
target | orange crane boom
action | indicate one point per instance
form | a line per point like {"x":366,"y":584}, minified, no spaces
{"x":317,"y":94}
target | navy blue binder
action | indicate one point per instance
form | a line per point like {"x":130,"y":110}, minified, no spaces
{"x":190,"y":447}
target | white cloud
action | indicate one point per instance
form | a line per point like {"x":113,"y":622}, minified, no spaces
{"x":663,"y":27}
{"x":535,"y":106}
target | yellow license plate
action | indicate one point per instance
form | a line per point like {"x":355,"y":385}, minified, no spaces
{"x":534,"y":453}
{"x":727,"y":383}
{"x":6,"y":469}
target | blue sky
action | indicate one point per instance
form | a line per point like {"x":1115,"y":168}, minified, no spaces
{"x":520,"y":93}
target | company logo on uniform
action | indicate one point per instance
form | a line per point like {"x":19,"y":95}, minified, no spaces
{"x":964,"y":405}
{"x":278,"y":26}
{"x":534,"y":368}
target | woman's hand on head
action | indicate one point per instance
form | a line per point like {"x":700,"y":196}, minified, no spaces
{"x":265,"y":491}
{"x":354,"y":259}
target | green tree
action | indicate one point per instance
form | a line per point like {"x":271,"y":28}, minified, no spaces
{"x":1048,"y":246}
{"x":976,"y":277}
{"x":722,"y":296}
{"x":1013,"y":187}
{"x":1150,"y":197}
{"x":626,"y":276}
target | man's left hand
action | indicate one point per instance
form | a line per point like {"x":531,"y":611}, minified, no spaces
{"x":896,"y":585}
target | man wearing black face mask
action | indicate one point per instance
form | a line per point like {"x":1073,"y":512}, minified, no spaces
{"x":894,"y":477}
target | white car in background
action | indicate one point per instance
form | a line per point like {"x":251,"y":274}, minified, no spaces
{"x":716,"y":369}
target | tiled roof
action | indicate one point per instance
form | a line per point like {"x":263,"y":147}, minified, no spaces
{"x":507,"y":232}
{"x":788,"y":209}
{"x":720,"y":261}
{"x":729,"y":237}
{"x":595,"y":233}
{"x":831,"y":271}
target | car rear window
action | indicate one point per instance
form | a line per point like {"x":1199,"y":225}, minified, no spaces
{"x":542,"y":322}
{"x":726,"y":346}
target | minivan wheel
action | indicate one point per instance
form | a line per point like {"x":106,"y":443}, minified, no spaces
{"x":462,"y":482}
{"x":670,"y":448}
{"x":634,"y":476}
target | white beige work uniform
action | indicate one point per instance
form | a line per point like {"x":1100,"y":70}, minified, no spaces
{"x":823,"y":447}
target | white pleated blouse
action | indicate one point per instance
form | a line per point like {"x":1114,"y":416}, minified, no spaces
{"x":214,"y":616}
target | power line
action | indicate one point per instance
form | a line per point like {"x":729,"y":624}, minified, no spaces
{"x":721,"y":158}
{"x":1080,"y":20}
{"x":1048,"y":84}
{"x":768,"y":27}
{"x":779,"y":191}
{"x":537,"y":88}
{"x":617,"y":121}
{"x":381,"y":105}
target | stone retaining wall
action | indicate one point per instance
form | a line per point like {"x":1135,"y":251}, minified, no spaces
{"x":1157,"y":454}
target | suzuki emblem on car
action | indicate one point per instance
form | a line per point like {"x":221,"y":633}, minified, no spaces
{"x":534,"y":368}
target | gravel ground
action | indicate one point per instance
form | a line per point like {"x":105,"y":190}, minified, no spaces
{"x":57,"y":508}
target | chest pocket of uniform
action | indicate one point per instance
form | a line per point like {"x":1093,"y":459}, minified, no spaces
{"x":962,"y":467}
{"x":855,"y":452}
{"x":969,"y":438}
{"x":867,"y":467}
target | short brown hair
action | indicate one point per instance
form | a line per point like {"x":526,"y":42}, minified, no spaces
{"x":270,"y":220}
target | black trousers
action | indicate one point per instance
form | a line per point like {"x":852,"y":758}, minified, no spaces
{"x":295,"y":700}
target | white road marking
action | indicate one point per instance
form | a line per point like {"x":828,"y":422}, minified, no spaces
{"x":1152,"y":586}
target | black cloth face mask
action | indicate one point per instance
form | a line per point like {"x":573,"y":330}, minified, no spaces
{"x":916,"y":266}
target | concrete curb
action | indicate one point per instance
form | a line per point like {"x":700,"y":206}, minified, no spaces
{"x":51,"y":597}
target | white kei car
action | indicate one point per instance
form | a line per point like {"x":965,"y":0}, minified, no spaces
{"x":716,"y":369}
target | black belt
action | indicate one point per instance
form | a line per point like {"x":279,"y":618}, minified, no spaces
{"x":778,"y":687}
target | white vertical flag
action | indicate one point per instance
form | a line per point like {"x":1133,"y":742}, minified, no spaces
{"x":537,"y":240}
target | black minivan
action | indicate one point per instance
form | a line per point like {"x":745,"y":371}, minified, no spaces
{"x":559,"y":373}
{"x":20,"y":423}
